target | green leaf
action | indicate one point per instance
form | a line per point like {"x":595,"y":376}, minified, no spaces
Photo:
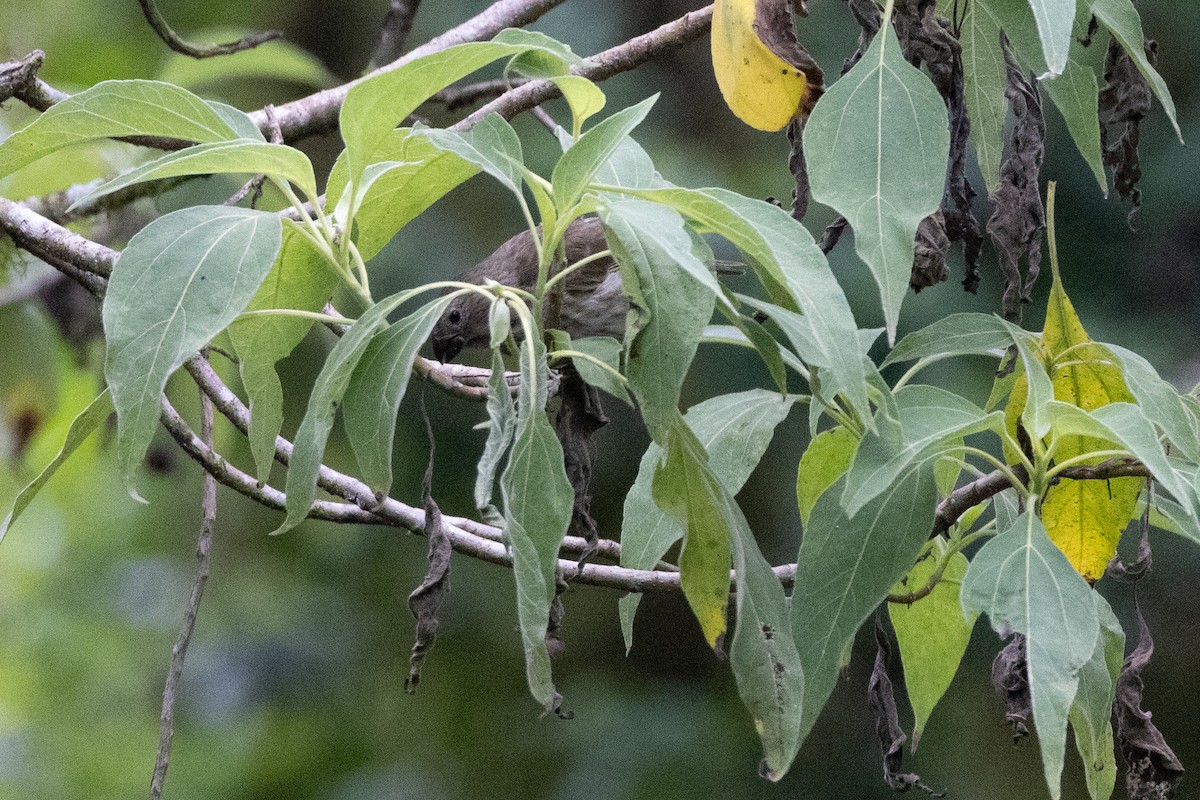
{"x":323,"y":402}
{"x":300,"y":279}
{"x":846,"y":567}
{"x":658,"y":269}
{"x":932,"y":633}
{"x":1091,"y":713}
{"x":792,"y":270}
{"x":763,"y":655}
{"x":575,"y":170}
{"x":1054,"y":18}
{"x":238,"y":121}
{"x":492,"y":146}
{"x":1074,"y":92}
{"x":423,"y":175}
{"x":81,"y":428}
{"x":628,"y":166}
{"x":213,"y":158}
{"x":735,"y":430}
{"x":604,"y":349}
{"x":930,"y":420}
{"x":376,"y":388}
{"x":381,"y":102}
{"x":502,"y":415}
{"x":1025,"y":584}
{"x":275,"y":60}
{"x":885,"y":139}
{"x":984,"y":81}
{"x":538,"y":501}
{"x":1122,"y":20}
{"x":1159,"y":401}
{"x":661,"y":228}
{"x":685,"y":488}
{"x":1040,"y":390}
{"x":180,"y":281}
{"x":110,"y":109}
{"x":827,"y":458}
{"x":954,"y":335}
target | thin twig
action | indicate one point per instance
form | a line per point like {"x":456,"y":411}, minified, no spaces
{"x":173,"y":40}
{"x":19,"y":80}
{"x":393,"y":33}
{"x":601,"y":66}
{"x":208,"y":518}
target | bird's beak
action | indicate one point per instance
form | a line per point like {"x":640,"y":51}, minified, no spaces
{"x":445,"y":350}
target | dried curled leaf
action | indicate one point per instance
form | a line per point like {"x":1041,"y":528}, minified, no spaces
{"x":1124,"y":101}
{"x":928,"y":38}
{"x":1018,"y":217}
{"x":1153,"y":770}
{"x":1010,"y":679}
{"x":881,"y":700}
{"x":929,"y":254}
{"x":765,"y":75}
{"x":426,"y":599}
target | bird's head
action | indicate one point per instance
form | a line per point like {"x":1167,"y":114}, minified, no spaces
{"x":463,"y":324}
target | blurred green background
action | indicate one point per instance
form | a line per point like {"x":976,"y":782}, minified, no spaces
{"x":293,"y":686}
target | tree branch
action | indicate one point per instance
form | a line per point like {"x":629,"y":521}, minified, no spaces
{"x":393,"y":33}
{"x":159,"y":23}
{"x":208,"y":518}
{"x":604,"y":64}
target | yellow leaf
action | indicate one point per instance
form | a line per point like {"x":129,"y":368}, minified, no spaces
{"x":765,"y":76}
{"x":1083,"y":518}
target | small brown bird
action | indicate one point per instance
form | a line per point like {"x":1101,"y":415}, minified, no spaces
{"x":592,"y":302}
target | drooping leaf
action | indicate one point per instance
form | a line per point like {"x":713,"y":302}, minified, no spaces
{"x":1073,"y":92}
{"x":932,"y":633}
{"x":764,"y":74}
{"x":81,"y":428}
{"x":236,"y":156}
{"x":179,"y":282}
{"x":983,"y":78}
{"x":111,"y":109}
{"x":794,"y":273}
{"x":1025,"y":584}
{"x":735,"y":430}
{"x":762,"y":653}
{"x":885,"y":139}
{"x":671,"y":308}
{"x":1055,"y":19}
{"x":1122,"y":20}
{"x":846,"y":567}
{"x":1091,"y":714}
{"x":300,"y":279}
{"x":502,"y":416}
{"x":684,"y":487}
{"x":327,"y":394}
{"x":376,"y":388}
{"x":826,"y":459}
{"x":538,"y":501}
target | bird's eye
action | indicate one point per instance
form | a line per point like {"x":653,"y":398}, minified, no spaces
{"x":454,"y":317}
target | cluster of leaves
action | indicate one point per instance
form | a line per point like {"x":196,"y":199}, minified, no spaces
{"x":882,"y":458}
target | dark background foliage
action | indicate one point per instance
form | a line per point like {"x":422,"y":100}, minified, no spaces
{"x":294,"y":682}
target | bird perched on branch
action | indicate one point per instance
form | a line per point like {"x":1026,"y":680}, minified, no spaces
{"x":592,"y":302}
